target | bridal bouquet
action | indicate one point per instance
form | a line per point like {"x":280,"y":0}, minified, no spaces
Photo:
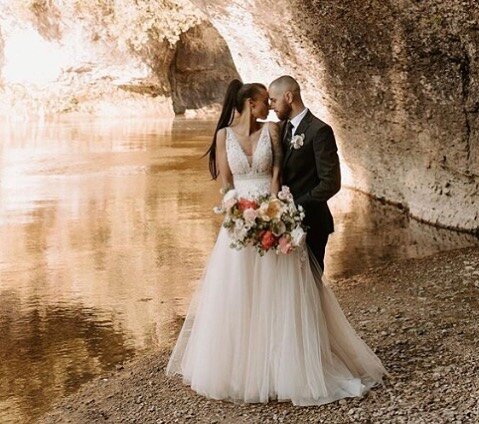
{"x":266,"y":222}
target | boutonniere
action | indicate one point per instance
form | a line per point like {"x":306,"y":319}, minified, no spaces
{"x":297,"y":141}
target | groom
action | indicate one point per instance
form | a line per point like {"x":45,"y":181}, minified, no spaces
{"x":311,"y":163}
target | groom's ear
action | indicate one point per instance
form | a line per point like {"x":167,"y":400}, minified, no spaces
{"x":288,"y":96}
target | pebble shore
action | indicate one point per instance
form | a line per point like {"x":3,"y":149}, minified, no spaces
{"x":420,"y":316}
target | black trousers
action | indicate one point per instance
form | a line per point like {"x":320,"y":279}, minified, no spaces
{"x":317,"y":243}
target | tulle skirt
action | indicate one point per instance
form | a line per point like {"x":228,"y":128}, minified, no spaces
{"x":268,"y":327}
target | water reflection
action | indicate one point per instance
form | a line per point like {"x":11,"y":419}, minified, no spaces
{"x":94,"y":218}
{"x":368,"y":233}
{"x":105,"y":226}
{"x":51,"y":349}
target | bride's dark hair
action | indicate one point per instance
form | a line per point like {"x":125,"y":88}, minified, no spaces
{"x":235,"y":96}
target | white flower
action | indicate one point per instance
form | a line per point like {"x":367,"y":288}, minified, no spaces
{"x":230,"y":194}
{"x":297,"y":141}
{"x":240,"y":231}
{"x":218,"y":210}
{"x":298,"y":236}
{"x":239,"y":224}
{"x":230,"y":199}
{"x":285,"y":194}
{"x":292,"y":208}
{"x":248,"y":225}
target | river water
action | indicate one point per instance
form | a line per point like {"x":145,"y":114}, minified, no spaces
{"x":105,"y":226}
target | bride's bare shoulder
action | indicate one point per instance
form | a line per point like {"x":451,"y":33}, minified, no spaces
{"x":221,"y":136}
{"x":272,"y":124}
{"x":274,"y":128}
{"x":221,"y":131}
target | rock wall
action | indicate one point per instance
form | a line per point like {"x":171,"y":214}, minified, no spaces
{"x":397,"y":80}
{"x":201,"y":69}
{"x":404,"y":77}
{"x":107,"y":58}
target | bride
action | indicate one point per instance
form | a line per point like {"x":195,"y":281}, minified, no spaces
{"x":265,"y":327}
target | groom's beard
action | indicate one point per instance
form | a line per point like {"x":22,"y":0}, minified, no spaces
{"x":284,"y":114}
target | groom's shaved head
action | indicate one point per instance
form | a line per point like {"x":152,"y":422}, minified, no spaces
{"x":286,"y":83}
{"x":285,"y":97}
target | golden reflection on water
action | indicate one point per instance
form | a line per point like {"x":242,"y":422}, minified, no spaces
{"x":105,"y":227}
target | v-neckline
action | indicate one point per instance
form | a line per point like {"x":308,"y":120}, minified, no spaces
{"x":255,"y":149}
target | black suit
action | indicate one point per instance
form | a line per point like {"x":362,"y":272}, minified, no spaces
{"x":313,"y":175}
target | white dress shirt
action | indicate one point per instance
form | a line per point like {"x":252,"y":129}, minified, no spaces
{"x":297,"y":119}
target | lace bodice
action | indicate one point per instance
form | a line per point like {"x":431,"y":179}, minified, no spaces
{"x":255,"y":178}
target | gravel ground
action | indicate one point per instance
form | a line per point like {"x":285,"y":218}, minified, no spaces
{"x":421,"y":316}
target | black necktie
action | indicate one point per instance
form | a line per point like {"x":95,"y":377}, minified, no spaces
{"x":288,"y":135}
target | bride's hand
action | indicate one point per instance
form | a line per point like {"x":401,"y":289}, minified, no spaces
{"x":275,"y":187}
{"x":225,"y":188}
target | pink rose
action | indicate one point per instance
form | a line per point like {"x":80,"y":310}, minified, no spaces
{"x":285,"y":245}
{"x":250,"y":215}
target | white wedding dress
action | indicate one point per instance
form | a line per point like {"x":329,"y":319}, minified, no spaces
{"x":267,"y":327}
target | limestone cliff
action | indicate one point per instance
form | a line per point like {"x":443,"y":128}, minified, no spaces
{"x":397,"y":80}
{"x":109,"y":58}
{"x":403,"y":78}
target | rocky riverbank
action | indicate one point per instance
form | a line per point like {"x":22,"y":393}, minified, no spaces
{"x":421,"y":316}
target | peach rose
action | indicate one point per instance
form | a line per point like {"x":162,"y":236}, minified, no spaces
{"x":275,"y":209}
{"x":271,"y":210}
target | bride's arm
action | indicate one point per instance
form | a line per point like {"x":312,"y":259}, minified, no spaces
{"x":274,"y":131}
{"x":222,"y":161}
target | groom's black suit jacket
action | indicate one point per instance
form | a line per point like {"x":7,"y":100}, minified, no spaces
{"x":313,"y":175}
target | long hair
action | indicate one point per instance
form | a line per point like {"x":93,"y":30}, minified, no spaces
{"x":235,"y":96}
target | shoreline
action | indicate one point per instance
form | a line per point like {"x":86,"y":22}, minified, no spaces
{"x":419,"y":316}
{"x":407,"y":211}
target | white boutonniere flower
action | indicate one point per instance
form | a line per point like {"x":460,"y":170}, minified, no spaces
{"x":297,"y":141}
